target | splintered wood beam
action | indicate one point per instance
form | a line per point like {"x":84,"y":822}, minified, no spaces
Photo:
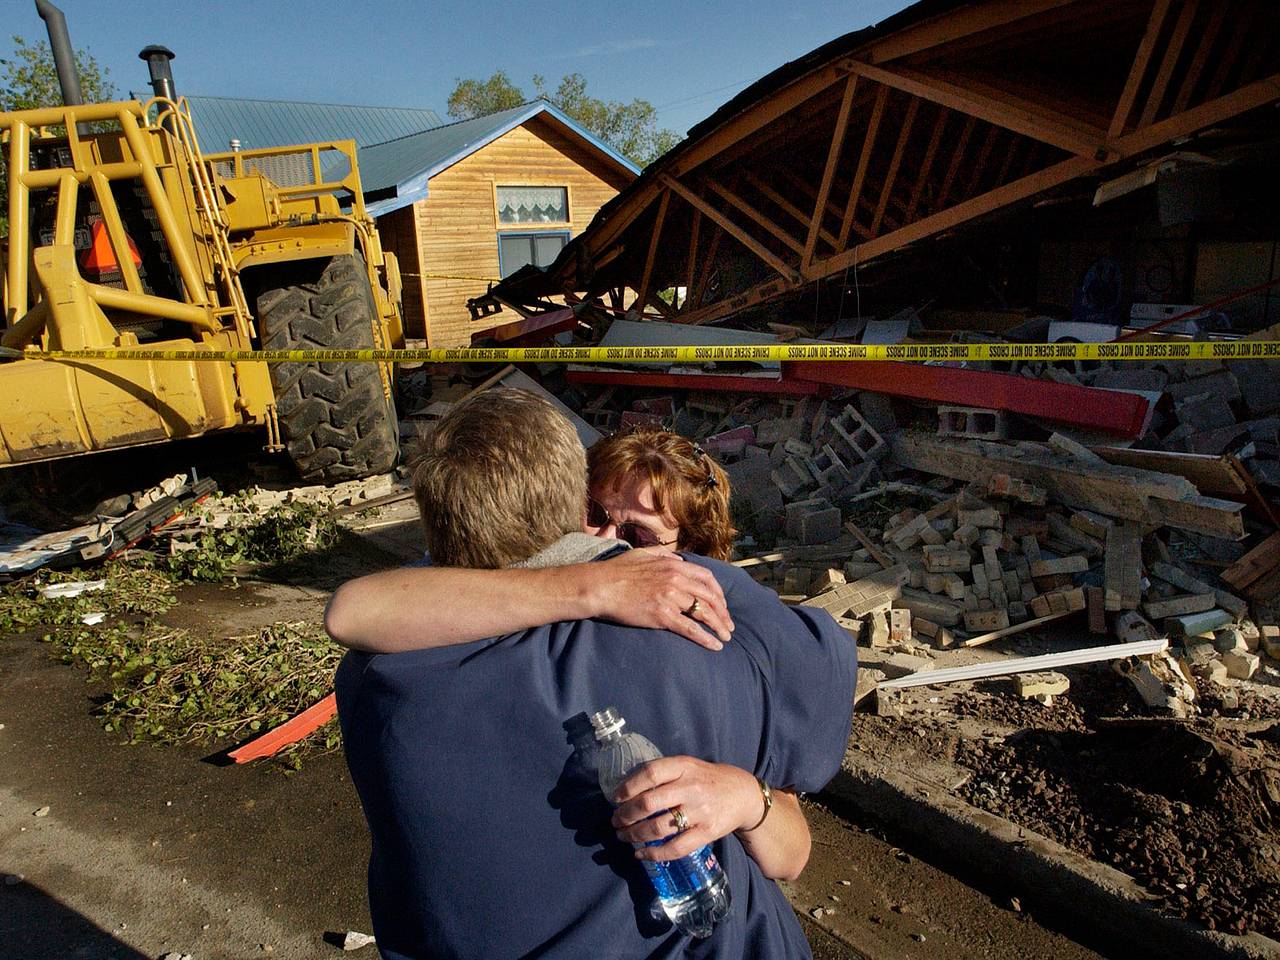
{"x":735,"y":231}
{"x":891,"y":177}
{"x":926,"y":165}
{"x":771,"y":194}
{"x":756,"y":216}
{"x":1023,"y":118}
{"x":1171,"y":54}
{"x":1139,"y":68}
{"x":694,"y":227}
{"x":956,"y":26}
{"x":868,"y":145}
{"x":829,"y":171}
{"x":956,"y":159}
{"x":980,"y":164}
{"x":642,"y":292}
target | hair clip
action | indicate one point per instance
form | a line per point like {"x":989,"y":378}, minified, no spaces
{"x":711,"y":480}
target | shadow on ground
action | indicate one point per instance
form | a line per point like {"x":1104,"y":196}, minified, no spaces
{"x":34,"y":925}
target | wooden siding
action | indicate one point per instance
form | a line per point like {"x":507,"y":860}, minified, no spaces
{"x":399,"y":233}
{"x":457,"y":223}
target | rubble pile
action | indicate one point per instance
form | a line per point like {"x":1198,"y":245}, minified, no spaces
{"x":932,"y":528}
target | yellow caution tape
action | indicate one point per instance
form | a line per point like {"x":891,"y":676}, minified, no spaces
{"x":914,"y":352}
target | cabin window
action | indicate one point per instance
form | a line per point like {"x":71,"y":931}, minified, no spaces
{"x":533,"y":204}
{"x":516,"y":250}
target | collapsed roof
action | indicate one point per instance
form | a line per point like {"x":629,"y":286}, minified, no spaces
{"x":943,"y":114}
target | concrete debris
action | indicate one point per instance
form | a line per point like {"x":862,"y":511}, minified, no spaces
{"x":356,"y":941}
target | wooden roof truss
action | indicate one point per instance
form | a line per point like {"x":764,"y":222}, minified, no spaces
{"x":919,"y":132}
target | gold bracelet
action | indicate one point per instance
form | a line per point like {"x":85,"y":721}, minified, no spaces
{"x":767,"y":792}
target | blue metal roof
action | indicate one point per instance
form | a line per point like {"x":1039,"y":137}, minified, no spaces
{"x":404,"y":165}
{"x":282,"y":123}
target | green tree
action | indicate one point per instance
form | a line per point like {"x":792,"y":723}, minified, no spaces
{"x":476,"y":98}
{"x":630,"y":128}
{"x":30,"y":80}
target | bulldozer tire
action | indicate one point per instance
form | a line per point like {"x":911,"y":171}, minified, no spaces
{"x":335,"y":418}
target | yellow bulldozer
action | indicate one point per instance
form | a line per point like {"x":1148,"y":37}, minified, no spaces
{"x":122,"y":233}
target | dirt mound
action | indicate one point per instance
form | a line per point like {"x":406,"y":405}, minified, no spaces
{"x":1188,"y":809}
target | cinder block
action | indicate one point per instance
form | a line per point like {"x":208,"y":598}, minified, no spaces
{"x":972,"y":422}
{"x":1205,"y":413}
{"x":820,"y":526}
{"x":863,"y":441}
{"x":798,"y":448}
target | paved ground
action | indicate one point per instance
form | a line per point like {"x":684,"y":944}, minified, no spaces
{"x":146,"y":850}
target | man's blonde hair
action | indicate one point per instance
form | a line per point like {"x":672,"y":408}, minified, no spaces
{"x":502,"y":476}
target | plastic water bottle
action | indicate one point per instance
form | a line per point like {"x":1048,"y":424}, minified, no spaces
{"x":693,"y":890}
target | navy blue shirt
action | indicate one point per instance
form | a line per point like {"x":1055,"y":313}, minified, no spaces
{"x":475,"y":766}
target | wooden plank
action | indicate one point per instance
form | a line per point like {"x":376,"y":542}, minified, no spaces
{"x":980,"y":164}
{"x":864,"y":158}
{"x":642,"y":292}
{"x":1122,"y":567}
{"x":692,"y":265}
{"x":926,"y":165}
{"x":1204,"y":45}
{"x":756,"y":216}
{"x":1255,"y":564}
{"x":953,"y":168}
{"x":891,"y":177}
{"x":731,"y":228}
{"x":1210,"y":474}
{"x":1139,"y":68}
{"x":1038,"y":124}
{"x":985,"y":638}
{"x":829,"y":170}
{"x":957,"y":25}
{"x":878,"y":555}
{"x":1170,"y":60}
{"x":1121,"y":492}
{"x":768,"y":191}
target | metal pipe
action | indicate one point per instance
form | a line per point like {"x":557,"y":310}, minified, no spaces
{"x":19,"y":219}
{"x":64,"y":56}
{"x":116,"y":233}
{"x":192,"y":278}
{"x":157,"y":58}
{"x":113,"y":298}
{"x":64,"y":231}
{"x":53,"y":116}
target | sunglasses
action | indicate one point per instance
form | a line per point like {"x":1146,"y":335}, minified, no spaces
{"x":630,"y":532}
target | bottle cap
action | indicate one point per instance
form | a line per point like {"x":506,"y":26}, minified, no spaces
{"x":607,"y":722}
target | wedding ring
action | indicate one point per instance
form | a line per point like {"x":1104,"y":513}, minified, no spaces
{"x":693,"y":608}
{"x":678,"y":818}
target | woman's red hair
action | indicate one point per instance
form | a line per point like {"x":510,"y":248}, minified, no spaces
{"x":686,"y":483}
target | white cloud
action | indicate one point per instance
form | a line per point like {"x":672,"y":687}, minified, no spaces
{"x":614,"y":47}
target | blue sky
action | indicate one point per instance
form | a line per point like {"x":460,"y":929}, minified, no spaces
{"x":686,"y":58}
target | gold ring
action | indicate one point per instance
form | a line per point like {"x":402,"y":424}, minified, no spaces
{"x":679,"y":819}
{"x":693,"y":608}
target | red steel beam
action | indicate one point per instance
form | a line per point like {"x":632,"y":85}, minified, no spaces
{"x":1089,"y":408}
{"x":727,"y":383}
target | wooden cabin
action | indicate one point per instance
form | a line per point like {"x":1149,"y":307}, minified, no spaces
{"x":466,"y":204}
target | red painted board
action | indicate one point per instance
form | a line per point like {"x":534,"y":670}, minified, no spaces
{"x":693,"y":381}
{"x":1089,"y":408}
{"x":291,"y":731}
